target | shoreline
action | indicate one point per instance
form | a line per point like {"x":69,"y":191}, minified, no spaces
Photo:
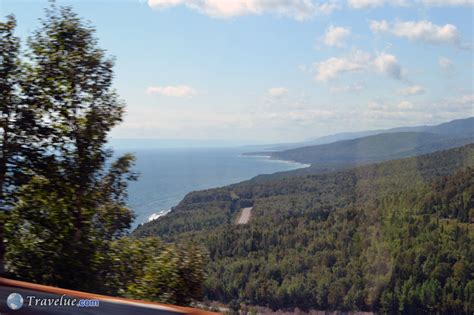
{"x":156,"y":215}
{"x":272,"y":159}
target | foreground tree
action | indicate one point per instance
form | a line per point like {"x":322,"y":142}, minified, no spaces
{"x":75,"y":203}
{"x":65,"y":199}
{"x":16,"y":122}
{"x":9,"y":106}
{"x":152,"y":270}
{"x":9,"y":47}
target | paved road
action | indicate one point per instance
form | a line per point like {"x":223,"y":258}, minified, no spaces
{"x":107,"y":305}
{"x":244,"y":216}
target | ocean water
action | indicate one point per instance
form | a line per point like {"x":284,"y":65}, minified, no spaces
{"x":166,"y":175}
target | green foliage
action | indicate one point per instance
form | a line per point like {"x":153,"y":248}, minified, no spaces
{"x":63,"y":213}
{"x":373,"y":238}
{"x":52,"y":241}
{"x":16,"y":124}
{"x":375,"y":148}
{"x":151,"y":270}
{"x":74,"y":203}
{"x":9,"y":104}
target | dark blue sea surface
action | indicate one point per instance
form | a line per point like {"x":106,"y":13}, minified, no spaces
{"x":166,"y":175}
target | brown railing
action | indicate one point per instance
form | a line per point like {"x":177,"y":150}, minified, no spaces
{"x":107,"y":304}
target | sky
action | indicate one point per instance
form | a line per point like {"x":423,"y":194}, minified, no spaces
{"x":259,"y":71}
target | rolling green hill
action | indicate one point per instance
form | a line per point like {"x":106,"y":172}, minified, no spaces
{"x":371,"y":146}
{"x":458,"y":128}
{"x":379,"y":147}
{"x":394,"y":236}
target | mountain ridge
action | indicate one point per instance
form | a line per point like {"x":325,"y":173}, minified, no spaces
{"x":375,"y":148}
{"x":439,"y":128}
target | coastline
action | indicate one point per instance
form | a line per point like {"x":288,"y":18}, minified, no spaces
{"x":157,"y":215}
{"x":272,"y":159}
{"x":268,"y":158}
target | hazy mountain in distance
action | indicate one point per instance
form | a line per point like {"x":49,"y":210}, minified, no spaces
{"x":458,"y":127}
{"x":384,"y":146}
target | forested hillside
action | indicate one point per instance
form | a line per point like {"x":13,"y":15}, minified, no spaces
{"x":394,"y":236}
{"x":380,"y":147}
{"x":459,"y":128}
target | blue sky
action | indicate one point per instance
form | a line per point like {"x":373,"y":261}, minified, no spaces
{"x":279,"y":70}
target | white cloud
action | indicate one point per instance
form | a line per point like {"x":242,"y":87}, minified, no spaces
{"x":332,"y":67}
{"x":297,"y":9}
{"x":327,"y":7}
{"x":413,"y":90}
{"x":405,"y":105}
{"x":388,"y":64}
{"x":358,"y":61}
{"x":427,"y":31}
{"x":164,"y":3}
{"x":445,"y":63}
{"x":420,"y":113}
{"x":399,"y":3}
{"x":277,"y":91}
{"x":302,"y":116}
{"x":379,"y":26}
{"x":421,"y":31}
{"x":175,"y":91}
{"x":460,"y":104}
{"x":447,"y":3}
{"x":347,"y":88}
{"x":382,"y":110}
{"x":363,"y":4}
{"x":335,"y":36}
{"x":376,"y":106}
{"x":467,"y":99}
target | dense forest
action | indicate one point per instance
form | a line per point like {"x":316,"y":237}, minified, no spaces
{"x":393,"y":237}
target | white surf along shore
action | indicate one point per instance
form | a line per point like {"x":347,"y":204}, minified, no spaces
{"x":269,"y":158}
{"x":159,"y":214}
{"x":162,"y":213}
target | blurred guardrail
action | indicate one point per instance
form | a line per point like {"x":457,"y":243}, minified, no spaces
{"x":19,"y":298}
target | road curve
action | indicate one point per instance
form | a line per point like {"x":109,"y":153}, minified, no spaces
{"x":244,"y":216}
{"x":107,"y":304}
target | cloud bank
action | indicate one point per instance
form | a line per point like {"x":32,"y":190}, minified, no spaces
{"x":277,"y":91}
{"x":388,"y":64}
{"x":296,"y":9}
{"x":335,"y":36}
{"x":413,"y":90}
{"x":174,"y":91}
{"x":418,"y":31}
{"x":358,"y":61}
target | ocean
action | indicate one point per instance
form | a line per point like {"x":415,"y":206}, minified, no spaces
{"x":166,"y":175}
